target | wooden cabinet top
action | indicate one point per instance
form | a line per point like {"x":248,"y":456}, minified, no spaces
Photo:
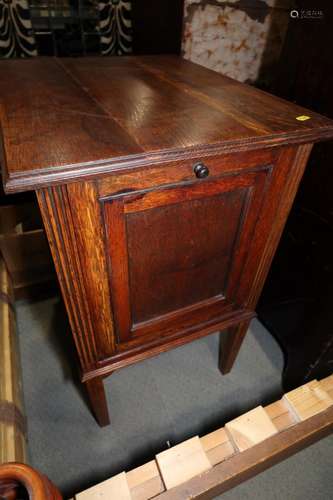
{"x":67,"y":119}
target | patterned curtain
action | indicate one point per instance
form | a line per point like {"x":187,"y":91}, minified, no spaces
{"x":115,"y":27}
{"x":16,"y":35}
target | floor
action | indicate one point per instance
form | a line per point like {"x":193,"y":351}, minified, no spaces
{"x":171,"y":397}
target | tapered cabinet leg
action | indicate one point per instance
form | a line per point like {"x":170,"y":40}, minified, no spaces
{"x":230,"y":343}
{"x":97,"y":400}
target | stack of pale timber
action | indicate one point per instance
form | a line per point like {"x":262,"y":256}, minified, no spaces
{"x":13,"y":446}
{"x":207,"y":466}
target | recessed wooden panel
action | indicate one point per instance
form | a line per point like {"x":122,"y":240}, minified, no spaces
{"x":176,"y":252}
{"x":179,"y":254}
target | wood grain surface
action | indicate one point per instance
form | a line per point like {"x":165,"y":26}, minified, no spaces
{"x":63,"y":119}
{"x":13,"y":437}
{"x":19,"y":480}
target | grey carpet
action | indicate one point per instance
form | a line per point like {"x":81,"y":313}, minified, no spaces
{"x":168,"y":398}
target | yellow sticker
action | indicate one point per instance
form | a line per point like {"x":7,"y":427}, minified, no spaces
{"x":302,"y":118}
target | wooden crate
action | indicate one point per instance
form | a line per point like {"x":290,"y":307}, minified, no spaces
{"x":25,"y":250}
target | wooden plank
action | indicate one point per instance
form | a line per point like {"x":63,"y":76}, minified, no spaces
{"x":142,"y":473}
{"x":308,"y":400}
{"x":114,"y":488}
{"x":251,"y":428}
{"x":327,"y":385}
{"x":276,"y":409}
{"x":254,"y":460}
{"x":145,"y":482}
{"x":148,"y":489}
{"x":182,"y":462}
{"x":13,"y":446}
{"x":217,"y":446}
{"x":281,"y":417}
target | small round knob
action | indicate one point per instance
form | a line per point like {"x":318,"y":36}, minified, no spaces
{"x":201,"y":171}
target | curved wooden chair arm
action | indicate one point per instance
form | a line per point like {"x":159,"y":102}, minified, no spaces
{"x":14,"y":476}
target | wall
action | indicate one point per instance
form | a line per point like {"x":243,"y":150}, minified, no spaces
{"x":239,"y":38}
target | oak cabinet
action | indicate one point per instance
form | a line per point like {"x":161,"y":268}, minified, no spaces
{"x":164,"y":188}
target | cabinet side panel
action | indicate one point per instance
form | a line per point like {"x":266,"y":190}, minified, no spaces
{"x":286,"y":177}
{"x":89,"y":234}
{"x":51,"y":207}
{"x":73,"y":225}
